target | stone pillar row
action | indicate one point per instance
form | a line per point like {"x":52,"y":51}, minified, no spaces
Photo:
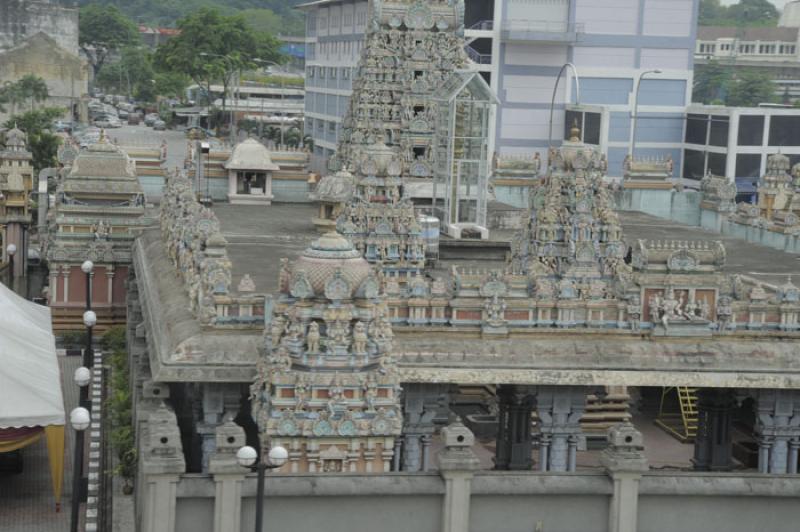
{"x":559,"y":409}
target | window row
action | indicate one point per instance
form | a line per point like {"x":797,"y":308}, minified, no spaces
{"x":713,"y":130}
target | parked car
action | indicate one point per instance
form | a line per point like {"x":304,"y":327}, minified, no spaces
{"x":159,"y":125}
{"x":150,"y":119}
{"x":62,"y":126}
{"x":123,"y":114}
{"x":114,"y":123}
{"x":134,"y":119}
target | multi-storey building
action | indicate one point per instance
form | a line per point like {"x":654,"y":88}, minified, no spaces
{"x":775,"y":51}
{"x":520,"y":47}
{"x":334,"y":39}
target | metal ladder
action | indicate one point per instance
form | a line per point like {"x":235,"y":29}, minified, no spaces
{"x":683,"y":423}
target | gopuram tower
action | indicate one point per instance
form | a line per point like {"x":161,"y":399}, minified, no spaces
{"x":414,"y":102}
{"x":327,"y":389}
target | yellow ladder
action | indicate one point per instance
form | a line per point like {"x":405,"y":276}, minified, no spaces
{"x":683,"y":423}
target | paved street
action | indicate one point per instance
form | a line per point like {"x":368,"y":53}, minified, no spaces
{"x":145,"y":136}
{"x":26,"y":500}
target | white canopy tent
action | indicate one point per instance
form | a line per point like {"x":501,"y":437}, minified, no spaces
{"x":31,"y":402}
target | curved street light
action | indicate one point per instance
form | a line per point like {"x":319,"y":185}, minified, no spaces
{"x":553,"y":101}
{"x":635,"y":115}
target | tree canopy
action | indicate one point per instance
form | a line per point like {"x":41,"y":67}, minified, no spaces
{"x":745,"y":13}
{"x":213,"y":47}
{"x":30,"y":88}
{"x":42,"y":143}
{"x":719,"y":84}
{"x":103,"y":29}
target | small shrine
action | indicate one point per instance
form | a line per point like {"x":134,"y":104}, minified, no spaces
{"x":654,"y":173}
{"x":331,"y":194}
{"x":99,"y":211}
{"x":16,"y":184}
{"x":778,"y":198}
{"x":250,"y":169}
{"x":327,"y":389}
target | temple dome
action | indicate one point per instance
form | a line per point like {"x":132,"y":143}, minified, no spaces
{"x":330,"y":256}
{"x":251,"y":155}
{"x":336,"y":188}
{"x":15,"y":139}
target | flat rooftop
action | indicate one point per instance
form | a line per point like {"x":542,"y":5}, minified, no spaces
{"x":258,"y":237}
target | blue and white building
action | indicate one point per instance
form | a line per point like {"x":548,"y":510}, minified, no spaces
{"x":520,"y":46}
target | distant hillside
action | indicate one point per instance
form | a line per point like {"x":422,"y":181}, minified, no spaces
{"x":273,"y":16}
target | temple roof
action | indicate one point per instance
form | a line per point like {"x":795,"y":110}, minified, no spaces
{"x":250,"y":155}
{"x":103,"y":160}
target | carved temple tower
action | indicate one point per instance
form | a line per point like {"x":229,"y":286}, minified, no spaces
{"x":416,"y":127}
{"x":98,"y":213}
{"x":16,"y":184}
{"x":572,"y":247}
{"x":327,"y":389}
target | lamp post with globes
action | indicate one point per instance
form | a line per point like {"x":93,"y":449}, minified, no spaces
{"x":82,"y":377}
{"x":11,"y":249}
{"x":88,"y":267}
{"x":248,"y":457}
{"x":90,"y":320}
{"x":79,"y":418}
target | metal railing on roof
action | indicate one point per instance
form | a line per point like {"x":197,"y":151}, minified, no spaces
{"x":544,"y":26}
{"x":483,"y":25}
{"x":477,"y":57}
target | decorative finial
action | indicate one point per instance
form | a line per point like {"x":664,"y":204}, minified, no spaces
{"x":575,"y":132}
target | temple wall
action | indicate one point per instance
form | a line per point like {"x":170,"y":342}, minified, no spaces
{"x":499,"y":502}
{"x":684,"y":207}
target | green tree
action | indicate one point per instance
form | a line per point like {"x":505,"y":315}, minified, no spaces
{"x":750,"y":89}
{"x":103,"y":29}
{"x":213,"y":47}
{"x":42,"y":143}
{"x":33,"y":88}
{"x":743,"y":14}
{"x":711,"y":82}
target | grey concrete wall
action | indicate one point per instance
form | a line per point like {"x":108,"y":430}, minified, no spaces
{"x":21,"y":19}
{"x":502,"y":502}
{"x":681,"y":207}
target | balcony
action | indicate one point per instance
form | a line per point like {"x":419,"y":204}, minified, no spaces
{"x":543,"y":31}
{"x":477,"y":57}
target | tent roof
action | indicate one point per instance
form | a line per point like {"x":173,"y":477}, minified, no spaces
{"x":30,"y":380}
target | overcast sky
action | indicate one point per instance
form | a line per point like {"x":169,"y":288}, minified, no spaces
{"x":779,"y":3}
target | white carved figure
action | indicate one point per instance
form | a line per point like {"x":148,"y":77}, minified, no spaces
{"x":360,"y":338}
{"x":312,"y":338}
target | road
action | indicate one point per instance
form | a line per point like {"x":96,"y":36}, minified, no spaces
{"x":145,"y":136}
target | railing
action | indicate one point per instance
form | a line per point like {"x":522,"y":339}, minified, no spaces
{"x":477,"y":57}
{"x":483,"y":25}
{"x":543,"y":26}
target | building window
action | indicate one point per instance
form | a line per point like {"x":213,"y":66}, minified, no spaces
{"x":696,"y":129}
{"x":694,"y":163}
{"x":720,"y":126}
{"x":589,"y":124}
{"x":333,"y":72}
{"x":748,"y":165}
{"x":751,"y":131}
{"x":345,"y":73}
{"x":321,"y":72}
{"x":784,"y":131}
{"x":716,"y":163}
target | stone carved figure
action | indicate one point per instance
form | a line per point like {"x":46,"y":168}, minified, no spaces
{"x":312,"y":338}
{"x":359,"y":338}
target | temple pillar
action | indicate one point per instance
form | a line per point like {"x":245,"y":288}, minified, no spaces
{"x":778,"y":431}
{"x":217,"y":400}
{"x":457,"y":465}
{"x":713,"y":443}
{"x":625,"y":462}
{"x":514,"y":440}
{"x":560,"y":409}
{"x":162,"y":464}
{"x":228,"y":477}
{"x":421,"y":406}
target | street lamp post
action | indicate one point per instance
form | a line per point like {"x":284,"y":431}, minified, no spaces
{"x":88,"y":267}
{"x":283,"y":89}
{"x":229,"y":61}
{"x":82,"y":377}
{"x":635,"y":116}
{"x":90,"y":320}
{"x":555,"y":91}
{"x":79,"y":418}
{"x":11,"y":249}
{"x":248,"y":457}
